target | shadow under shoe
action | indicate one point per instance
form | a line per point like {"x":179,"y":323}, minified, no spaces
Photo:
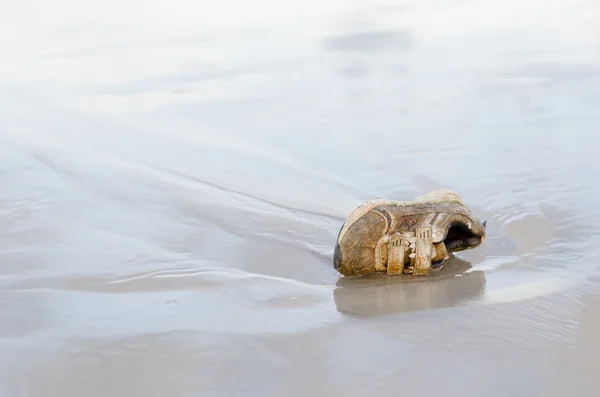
{"x":379,"y":295}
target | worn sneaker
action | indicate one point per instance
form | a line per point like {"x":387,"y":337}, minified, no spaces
{"x":411,"y":237}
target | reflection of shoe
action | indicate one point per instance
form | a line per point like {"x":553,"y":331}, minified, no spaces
{"x":378,"y":295}
{"x":398,"y":237}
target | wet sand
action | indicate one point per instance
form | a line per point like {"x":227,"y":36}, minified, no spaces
{"x":174,"y":176}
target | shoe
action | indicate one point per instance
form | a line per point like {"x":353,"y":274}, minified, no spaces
{"x":411,"y":237}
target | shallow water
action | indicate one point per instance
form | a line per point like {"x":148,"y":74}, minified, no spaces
{"x":174,"y":176}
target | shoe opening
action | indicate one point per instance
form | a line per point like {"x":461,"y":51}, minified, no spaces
{"x":460,"y":237}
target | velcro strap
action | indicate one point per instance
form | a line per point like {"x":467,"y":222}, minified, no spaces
{"x":396,"y":252}
{"x":412,"y":248}
{"x":424,"y":251}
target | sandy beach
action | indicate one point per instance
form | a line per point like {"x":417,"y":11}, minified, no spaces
{"x":174,"y":176}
